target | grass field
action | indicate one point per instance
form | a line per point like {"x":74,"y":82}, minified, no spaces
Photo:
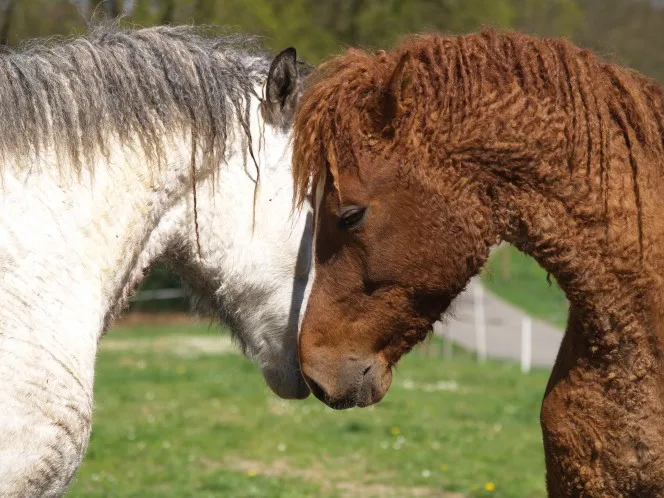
{"x":520,"y":280}
{"x":179,"y":414}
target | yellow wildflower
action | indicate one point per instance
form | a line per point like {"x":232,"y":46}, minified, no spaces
{"x":395,"y":431}
{"x":489,"y":486}
{"x":443,"y":467}
{"x":252,"y":473}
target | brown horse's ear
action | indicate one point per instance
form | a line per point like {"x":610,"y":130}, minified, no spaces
{"x":396,"y":96}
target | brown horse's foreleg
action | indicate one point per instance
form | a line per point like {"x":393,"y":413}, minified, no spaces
{"x":602,"y":421}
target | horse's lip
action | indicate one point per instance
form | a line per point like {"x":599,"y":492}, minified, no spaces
{"x":316,"y":390}
{"x":296,"y":389}
{"x":335,"y":404}
{"x":303,"y":392}
{"x":342,"y":404}
{"x":300,"y":393}
{"x":298,"y":396}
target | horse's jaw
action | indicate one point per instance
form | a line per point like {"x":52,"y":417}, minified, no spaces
{"x":255,"y":267}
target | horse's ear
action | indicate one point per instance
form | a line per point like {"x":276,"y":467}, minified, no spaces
{"x":396,"y":95}
{"x":282,"y":88}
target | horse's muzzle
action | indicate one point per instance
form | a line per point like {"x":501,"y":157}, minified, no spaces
{"x":354,"y":382}
{"x":292,"y":386}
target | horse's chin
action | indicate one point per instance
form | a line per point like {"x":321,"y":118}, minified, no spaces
{"x":286,"y":385}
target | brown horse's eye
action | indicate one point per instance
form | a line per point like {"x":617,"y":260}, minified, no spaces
{"x":351,"y":216}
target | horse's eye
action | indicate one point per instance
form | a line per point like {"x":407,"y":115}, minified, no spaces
{"x":351,"y":216}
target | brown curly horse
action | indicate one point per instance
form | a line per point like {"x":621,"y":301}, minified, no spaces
{"x":424,"y":157}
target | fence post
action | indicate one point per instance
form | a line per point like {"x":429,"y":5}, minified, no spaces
{"x":526,"y":343}
{"x":447,"y":340}
{"x":447,"y":346}
{"x":480,"y":325}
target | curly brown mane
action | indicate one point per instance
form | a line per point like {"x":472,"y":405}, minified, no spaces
{"x":489,"y":72}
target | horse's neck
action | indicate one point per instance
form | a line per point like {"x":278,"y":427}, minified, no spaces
{"x":587,"y":236}
{"x":72,"y":249}
{"x":585,"y":232}
{"x":582,"y":191}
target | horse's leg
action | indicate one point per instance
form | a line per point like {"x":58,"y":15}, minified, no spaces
{"x":602,"y":424}
{"x":45,"y":414}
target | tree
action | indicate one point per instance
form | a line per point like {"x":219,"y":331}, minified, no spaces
{"x":627,"y":31}
{"x":6,"y":11}
{"x":112,"y":8}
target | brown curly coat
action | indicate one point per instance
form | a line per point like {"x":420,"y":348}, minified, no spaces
{"x":501,"y":136}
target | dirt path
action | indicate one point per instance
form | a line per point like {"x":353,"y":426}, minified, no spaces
{"x":503,"y":329}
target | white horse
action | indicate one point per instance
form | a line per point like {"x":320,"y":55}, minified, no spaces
{"x":118,"y":150}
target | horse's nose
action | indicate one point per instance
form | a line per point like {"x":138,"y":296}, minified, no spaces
{"x":352,"y":383}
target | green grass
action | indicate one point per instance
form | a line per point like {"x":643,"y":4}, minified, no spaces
{"x":172,"y":421}
{"x":520,"y":280}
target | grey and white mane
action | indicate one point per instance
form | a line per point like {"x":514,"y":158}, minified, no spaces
{"x":118,"y":150}
{"x":135,"y":84}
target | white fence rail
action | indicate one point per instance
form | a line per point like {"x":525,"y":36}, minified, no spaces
{"x":492,"y":328}
{"x":479,"y":324}
{"x":158,"y":294}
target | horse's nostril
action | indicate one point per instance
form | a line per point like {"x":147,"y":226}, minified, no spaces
{"x":366,"y":370}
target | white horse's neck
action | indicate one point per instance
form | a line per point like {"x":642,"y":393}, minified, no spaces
{"x":74,"y":247}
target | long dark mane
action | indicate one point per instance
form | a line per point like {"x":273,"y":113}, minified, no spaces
{"x":547,"y":92}
{"x":139,"y":86}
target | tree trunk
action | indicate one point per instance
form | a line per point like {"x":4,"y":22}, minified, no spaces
{"x":7,"y":12}
{"x":168,"y":12}
{"x":112,"y":8}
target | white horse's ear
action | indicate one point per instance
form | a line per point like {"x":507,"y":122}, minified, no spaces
{"x":282,"y":88}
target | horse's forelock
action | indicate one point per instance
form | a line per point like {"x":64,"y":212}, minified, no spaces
{"x":331,"y":111}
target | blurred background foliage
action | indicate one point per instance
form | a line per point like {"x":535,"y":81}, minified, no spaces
{"x":630,"y":32}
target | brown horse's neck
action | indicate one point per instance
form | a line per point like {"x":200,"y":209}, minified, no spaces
{"x":569,"y":155}
{"x":613,"y":288}
{"x":573,"y":173}
{"x":599,"y":233}
{"x":567,"y":158}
